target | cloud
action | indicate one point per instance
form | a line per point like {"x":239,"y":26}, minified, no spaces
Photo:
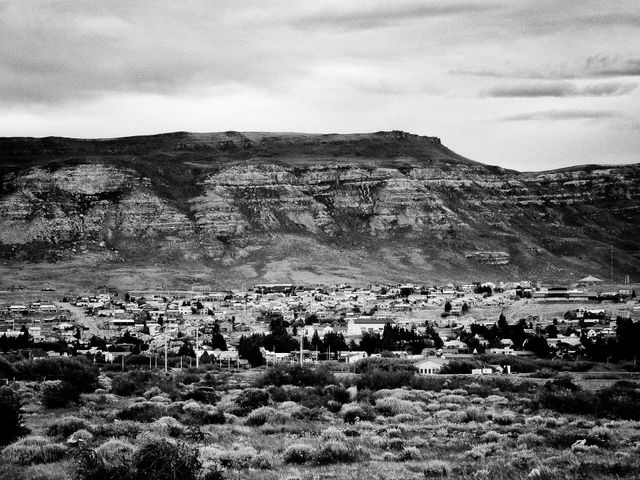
{"x":386,"y":14}
{"x":605,"y":66}
{"x":561,"y":115}
{"x":560,"y":89}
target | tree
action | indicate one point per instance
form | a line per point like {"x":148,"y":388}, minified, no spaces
{"x":447,"y":306}
{"x":11,"y":423}
{"x":316,"y":343}
{"x":465,"y":308}
{"x":502,"y":323}
{"x":249,"y":349}
{"x":186,"y":350}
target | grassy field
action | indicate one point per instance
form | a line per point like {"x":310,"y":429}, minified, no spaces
{"x":293,"y":423}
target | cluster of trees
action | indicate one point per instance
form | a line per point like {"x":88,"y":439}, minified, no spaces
{"x":624,"y":346}
{"x":502,"y":330}
{"x":74,"y":377}
{"x":394,"y":338}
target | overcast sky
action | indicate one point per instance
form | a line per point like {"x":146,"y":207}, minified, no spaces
{"x":530,"y":85}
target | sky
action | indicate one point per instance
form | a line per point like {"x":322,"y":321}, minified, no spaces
{"x":528,"y":85}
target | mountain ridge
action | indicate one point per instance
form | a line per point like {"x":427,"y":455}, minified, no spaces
{"x":279,"y":207}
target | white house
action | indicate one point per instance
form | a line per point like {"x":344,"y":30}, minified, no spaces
{"x":429,"y":366}
{"x":357,"y":326}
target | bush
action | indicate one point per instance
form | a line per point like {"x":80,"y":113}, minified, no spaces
{"x":238,"y":458}
{"x":159,"y":459}
{"x":334,"y":452}
{"x":332,"y":433}
{"x":352,"y":413}
{"x":137,"y":382}
{"x":621,"y":400}
{"x":472,"y":414}
{"x":562,"y":395}
{"x":409,"y":453}
{"x":203,"y":394}
{"x":59,"y":394}
{"x":11,"y":424}
{"x":123,"y":428}
{"x":504,"y":418}
{"x":436,"y":469}
{"x":298,"y":375}
{"x":32,"y":450}
{"x":113,"y":460}
{"x":79,"y":375}
{"x":80,"y":436}
{"x":66,"y":426}
{"x":250,"y":399}
{"x":144,"y":412}
{"x":379,"y":373}
{"x":298,"y":453}
{"x":260,"y":416}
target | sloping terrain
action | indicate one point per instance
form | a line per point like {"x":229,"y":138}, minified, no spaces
{"x":247,"y":207}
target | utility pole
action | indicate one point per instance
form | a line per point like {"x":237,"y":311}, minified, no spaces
{"x":611,"y":258}
{"x":196,"y":351}
{"x":166,"y":348}
{"x":300,"y":350}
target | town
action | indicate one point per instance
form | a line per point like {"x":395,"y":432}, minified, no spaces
{"x":439,"y":328}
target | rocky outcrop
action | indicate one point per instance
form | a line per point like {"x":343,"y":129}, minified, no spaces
{"x":231,"y":197}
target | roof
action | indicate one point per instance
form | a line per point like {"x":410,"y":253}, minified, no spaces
{"x":590,"y":279}
{"x":373,"y":321}
{"x":432,"y":361}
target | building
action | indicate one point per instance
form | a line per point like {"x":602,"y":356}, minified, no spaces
{"x":358,"y":326}
{"x":430,"y":366}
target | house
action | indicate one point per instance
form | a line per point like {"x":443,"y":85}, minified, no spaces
{"x":351,"y":357}
{"x":455,"y":345}
{"x":358,"y":326}
{"x":430,"y":366}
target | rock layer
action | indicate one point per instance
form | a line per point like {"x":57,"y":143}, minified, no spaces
{"x":406,"y":201}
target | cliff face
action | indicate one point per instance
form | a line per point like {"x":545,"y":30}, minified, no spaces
{"x":391,"y":204}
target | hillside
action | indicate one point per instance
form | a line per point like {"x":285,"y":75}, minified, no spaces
{"x":240,"y":208}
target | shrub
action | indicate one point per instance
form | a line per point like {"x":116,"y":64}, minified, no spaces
{"x":238,"y":458}
{"x":32,"y":450}
{"x":112,"y":460}
{"x":119,"y":428}
{"x":336,"y":393}
{"x":78,"y":375}
{"x":137,"y":382}
{"x":142,"y":412}
{"x":530,"y":439}
{"x":332,"y":433}
{"x":260,"y":416}
{"x":352,"y":413}
{"x":334,"y":452}
{"x":298,"y":453}
{"x":168,"y":426}
{"x":59,"y":394}
{"x":504,"y":418}
{"x":11,"y":424}
{"x":203,"y":394}
{"x":80,"y":436}
{"x":436,"y":469}
{"x":562,"y":395}
{"x":295,"y":374}
{"x":600,"y":436}
{"x":410,"y":453}
{"x":621,"y":400}
{"x":491,"y":436}
{"x":66,"y":426}
{"x":250,"y":399}
{"x":472,"y":414}
{"x":159,"y":459}
{"x":379,"y":373}
{"x":497,"y":399}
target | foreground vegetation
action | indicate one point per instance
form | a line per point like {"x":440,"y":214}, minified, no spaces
{"x":296,"y":422}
